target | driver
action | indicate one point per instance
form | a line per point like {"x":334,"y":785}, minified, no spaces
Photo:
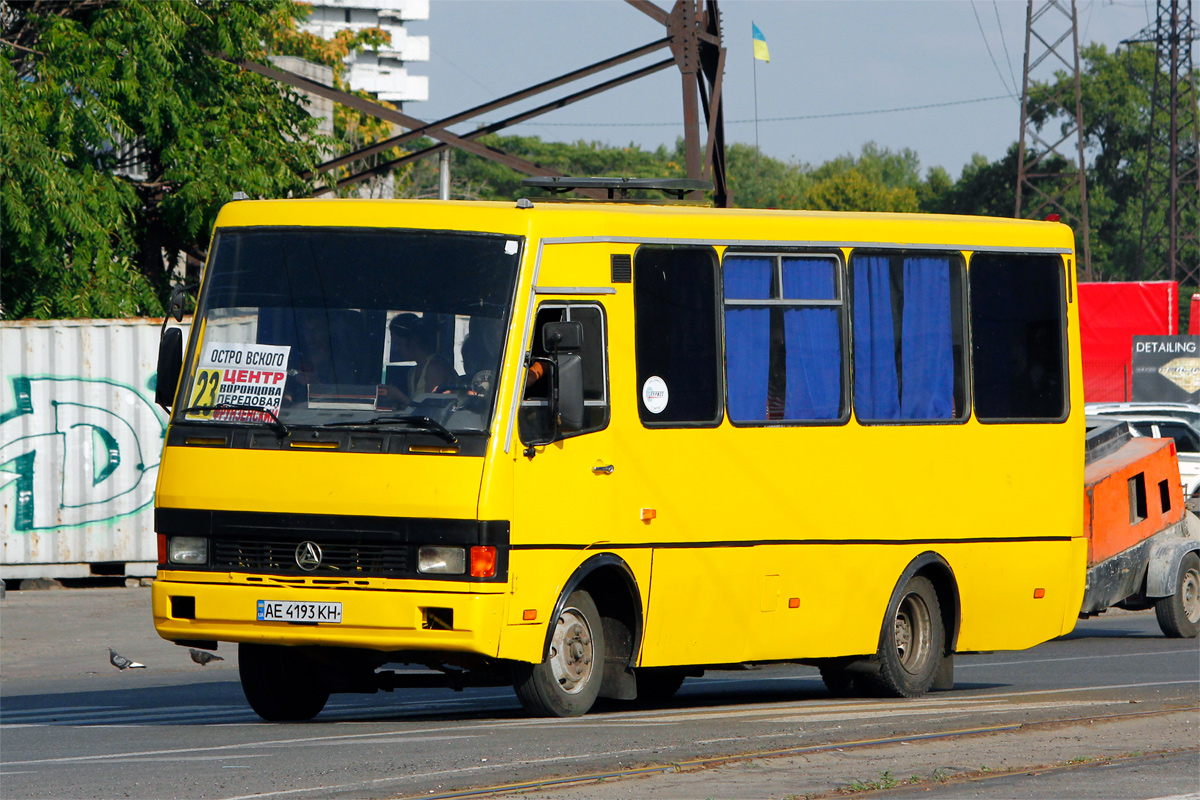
{"x":415,"y":339}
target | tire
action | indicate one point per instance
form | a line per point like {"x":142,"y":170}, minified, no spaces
{"x":657,"y":685}
{"x":911,"y":643}
{"x":567,"y":682}
{"x":1179,"y":614}
{"x":280,"y":683}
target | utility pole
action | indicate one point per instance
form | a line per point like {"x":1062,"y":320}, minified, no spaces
{"x":1051,"y":175}
{"x":1170,"y":218}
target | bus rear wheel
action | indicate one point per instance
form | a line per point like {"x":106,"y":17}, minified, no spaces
{"x":280,"y":683}
{"x":567,"y":682}
{"x":911,"y":642}
{"x":1179,"y":613}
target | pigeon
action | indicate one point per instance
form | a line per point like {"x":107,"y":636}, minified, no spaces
{"x":121,"y":662}
{"x":202,"y":658}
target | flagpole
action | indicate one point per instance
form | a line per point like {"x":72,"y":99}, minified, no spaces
{"x":755,"y":60}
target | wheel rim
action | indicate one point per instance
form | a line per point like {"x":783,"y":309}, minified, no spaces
{"x":913,"y":628}
{"x":1189,"y":593}
{"x":571,"y":651}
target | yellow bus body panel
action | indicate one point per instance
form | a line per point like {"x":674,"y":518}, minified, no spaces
{"x":317,"y":482}
{"x":372,"y":619}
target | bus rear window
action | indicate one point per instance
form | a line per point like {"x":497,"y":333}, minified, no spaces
{"x":1017,"y":335}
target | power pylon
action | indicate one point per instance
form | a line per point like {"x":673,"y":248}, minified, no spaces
{"x":1051,"y":171}
{"x":1170,"y":222}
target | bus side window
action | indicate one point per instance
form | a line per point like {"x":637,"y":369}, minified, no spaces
{"x":676,"y":332}
{"x":534,"y":415}
{"x":908,"y":334}
{"x":783,"y":339}
{"x":1018,"y":333}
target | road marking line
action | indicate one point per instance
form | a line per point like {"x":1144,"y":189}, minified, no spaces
{"x":993,"y":709}
{"x":961,"y":665}
{"x":1097,"y":688}
{"x":10,"y":712}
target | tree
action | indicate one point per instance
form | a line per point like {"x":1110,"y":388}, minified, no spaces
{"x":123,"y":133}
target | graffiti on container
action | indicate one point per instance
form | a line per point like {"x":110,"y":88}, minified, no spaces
{"x":77,"y":451}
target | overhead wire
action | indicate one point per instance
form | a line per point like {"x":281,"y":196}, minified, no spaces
{"x":1003,"y":41}
{"x":769,"y":119}
{"x":988,"y":46}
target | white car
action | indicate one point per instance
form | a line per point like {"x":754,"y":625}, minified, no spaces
{"x":1178,"y":421}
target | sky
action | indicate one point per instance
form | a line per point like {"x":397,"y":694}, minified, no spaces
{"x":942,"y":77}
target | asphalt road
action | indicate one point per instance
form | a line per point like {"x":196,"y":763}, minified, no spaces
{"x":73,"y":726}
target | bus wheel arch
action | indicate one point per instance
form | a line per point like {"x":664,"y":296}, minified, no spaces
{"x":604,"y":586}
{"x":923,"y":612}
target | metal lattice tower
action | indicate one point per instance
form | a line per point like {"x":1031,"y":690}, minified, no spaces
{"x":1170,"y":218}
{"x":1051,"y":177}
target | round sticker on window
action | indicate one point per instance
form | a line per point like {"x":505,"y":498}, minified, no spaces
{"x":654,"y":394}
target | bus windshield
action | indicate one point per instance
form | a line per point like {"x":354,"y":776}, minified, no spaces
{"x":318,"y":326}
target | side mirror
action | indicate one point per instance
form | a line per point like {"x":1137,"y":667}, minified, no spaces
{"x":175,"y":304}
{"x":569,"y":390}
{"x":170,"y":364}
{"x":564,"y":340}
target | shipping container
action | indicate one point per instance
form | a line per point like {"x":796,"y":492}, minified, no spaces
{"x":80,"y":442}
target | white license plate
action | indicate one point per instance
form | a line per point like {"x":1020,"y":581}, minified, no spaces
{"x":290,"y":611}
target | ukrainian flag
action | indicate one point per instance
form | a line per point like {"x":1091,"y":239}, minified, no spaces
{"x":760,"y":45}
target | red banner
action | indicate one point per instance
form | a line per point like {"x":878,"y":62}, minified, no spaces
{"x":1110,"y":315}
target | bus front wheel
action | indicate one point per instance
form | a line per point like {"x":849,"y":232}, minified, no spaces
{"x":911,"y":643}
{"x":566,"y":683}
{"x":280,"y":683}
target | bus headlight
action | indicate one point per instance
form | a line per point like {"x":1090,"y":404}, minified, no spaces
{"x":187,"y":550}
{"x":437,"y":560}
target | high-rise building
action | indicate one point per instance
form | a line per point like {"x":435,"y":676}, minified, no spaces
{"x":383,"y":73}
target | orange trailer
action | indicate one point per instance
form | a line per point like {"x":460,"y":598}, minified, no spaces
{"x":1143,"y":544}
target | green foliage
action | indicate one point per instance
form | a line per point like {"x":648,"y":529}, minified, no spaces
{"x":478,"y":178}
{"x":758,"y":181}
{"x":123,"y":134}
{"x":1116,"y":90}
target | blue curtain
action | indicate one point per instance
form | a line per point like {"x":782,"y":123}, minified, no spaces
{"x":814,"y":348}
{"x":747,"y":337}
{"x":876,"y":385}
{"x":748,"y":349}
{"x":924,"y":388}
{"x":810,"y":336}
{"x":927,"y":357}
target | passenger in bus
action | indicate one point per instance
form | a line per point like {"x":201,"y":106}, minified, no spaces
{"x":415,"y":339}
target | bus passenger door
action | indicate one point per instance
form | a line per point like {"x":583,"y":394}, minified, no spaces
{"x":563,"y":490}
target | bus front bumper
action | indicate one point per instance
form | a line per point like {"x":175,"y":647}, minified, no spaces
{"x":388,"y":620}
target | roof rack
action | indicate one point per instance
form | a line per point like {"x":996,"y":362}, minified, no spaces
{"x":619,"y":188}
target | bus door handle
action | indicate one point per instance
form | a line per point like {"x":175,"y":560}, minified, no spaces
{"x":607,"y":469}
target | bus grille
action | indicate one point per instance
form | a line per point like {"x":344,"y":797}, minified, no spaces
{"x":342,"y":559}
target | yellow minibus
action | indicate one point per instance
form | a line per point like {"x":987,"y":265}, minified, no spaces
{"x":588,"y":449}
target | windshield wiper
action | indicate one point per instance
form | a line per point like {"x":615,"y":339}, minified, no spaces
{"x":433,"y":426}
{"x":274,"y":422}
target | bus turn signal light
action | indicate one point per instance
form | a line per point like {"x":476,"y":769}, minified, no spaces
{"x":483,"y":562}
{"x":529,"y":614}
{"x":793,"y":602}
{"x":648,"y":514}
{"x":1038,"y":594}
